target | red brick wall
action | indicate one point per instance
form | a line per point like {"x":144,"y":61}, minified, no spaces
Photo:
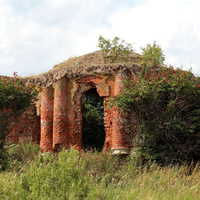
{"x":26,"y":127}
{"x":61,"y":113}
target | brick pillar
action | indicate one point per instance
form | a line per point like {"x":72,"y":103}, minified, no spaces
{"x":78,"y":124}
{"x":120,"y":142}
{"x":60,"y":115}
{"x":108,"y":121}
{"x":46,"y":119}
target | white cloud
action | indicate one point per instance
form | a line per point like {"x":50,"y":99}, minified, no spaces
{"x":38,"y":34}
{"x":172,"y":24}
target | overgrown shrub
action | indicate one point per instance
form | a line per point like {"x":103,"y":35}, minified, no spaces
{"x":21,"y":154}
{"x":102,"y":167}
{"x":15,"y":97}
{"x":51,"y":178}
{"x":98,"y":176}
{"x":152,"y":55}
{"x":113,"y":50}
{"x":167,"y":105}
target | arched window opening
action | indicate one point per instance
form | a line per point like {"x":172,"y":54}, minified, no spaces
{"x":93,"y":131}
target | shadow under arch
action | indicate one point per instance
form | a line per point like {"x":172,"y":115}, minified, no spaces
{"x":93,"y":131}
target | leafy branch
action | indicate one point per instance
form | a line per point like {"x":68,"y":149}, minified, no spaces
{"x":116,"y":49}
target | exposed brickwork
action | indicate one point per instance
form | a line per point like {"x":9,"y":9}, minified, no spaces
{"x":26,"y":126}
{"x":58,"y":122}
{"x":60,"y":136}
{"x":77,"y":101}
{"x":120,"y":138}
{"x":108,"y":121}
{"x":46,"y":119}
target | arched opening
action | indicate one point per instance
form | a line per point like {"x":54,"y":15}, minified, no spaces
{"x":93,"y":131}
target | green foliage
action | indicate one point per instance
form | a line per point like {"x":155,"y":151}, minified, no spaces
{"x":167,"y":105}
{"x":74,"y":175}
{"x":51,"y":178}
{"x":152,"y":55}
{"x":102,"y":167}
{"x":3,"y":159}
{"x":48,"y":177}
{"x":15,"y":97}
{"x":21,"y":154}
{"x":115,"y":49}
{"x":93,"y":133}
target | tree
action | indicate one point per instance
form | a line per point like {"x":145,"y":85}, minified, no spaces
{"x":152,"y":55}
{"x":15,"y":97}
{"x":116,"y":49}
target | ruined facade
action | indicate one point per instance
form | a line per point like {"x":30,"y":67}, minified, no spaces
{"x":57,"y":116}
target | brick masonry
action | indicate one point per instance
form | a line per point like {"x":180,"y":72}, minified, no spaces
{"x":26,"y":127}
{"x":59,"y":120}
{"x":46,"y":139}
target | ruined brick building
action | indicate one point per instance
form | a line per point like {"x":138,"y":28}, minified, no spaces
{"x":55,"y":120}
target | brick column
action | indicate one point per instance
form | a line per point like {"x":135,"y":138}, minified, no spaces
{"x":60,"y":115}
{"x":120,"y":142}
{"x":46,"y":119}
{"x":78,"y":124}
{"x":108,"y":121}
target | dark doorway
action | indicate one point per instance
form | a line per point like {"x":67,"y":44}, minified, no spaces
{"x":93,"y":131}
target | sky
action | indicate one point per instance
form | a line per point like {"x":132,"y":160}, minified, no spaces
{"x":35,"y":35}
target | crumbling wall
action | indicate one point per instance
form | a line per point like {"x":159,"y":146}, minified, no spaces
{"x":61,"y":112}
{"x":59,"y":123}
{"x":26,"y":126}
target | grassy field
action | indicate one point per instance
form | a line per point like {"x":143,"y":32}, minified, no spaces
{"x":75,"y":175}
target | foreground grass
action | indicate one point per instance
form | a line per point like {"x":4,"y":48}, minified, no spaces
{"x":74,"y":175}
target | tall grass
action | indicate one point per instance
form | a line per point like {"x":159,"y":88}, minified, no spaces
{"x":74,"y":175}
{"x":21,"y":154}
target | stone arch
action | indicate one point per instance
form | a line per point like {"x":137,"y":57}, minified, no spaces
{"x":61,"y":114}
{"x":93,"y":130}
{"x":77,"y":112}
{"x":83,"y":85}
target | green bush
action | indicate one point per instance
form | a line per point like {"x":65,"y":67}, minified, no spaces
{"x":115,"y":50}
{"x":167,"y":105}
{"x":102,"y":167}
{"x":21,"y":154}
{"x":15,"y":97}
{"x":98,"y":176}
{"x":152,"y":55}
{"x":51,"y":178}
